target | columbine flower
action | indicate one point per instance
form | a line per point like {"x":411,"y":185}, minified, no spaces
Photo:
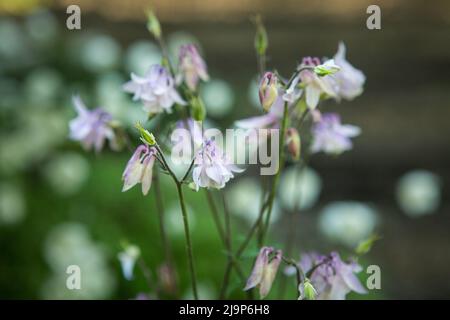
{"x":349,"y":80}
{"x":91,"y":127}
{"x":212,"y":168}
{"x":192,"y":66}
{"x":139,"y":169}
{"x":156,"y":90}
{"x":268,"y":90}
{"x":315,"y":85}
{"x":330,"y":136}
{"x":128,"y":259}
{"x":264,"y":270}
{"x":333,"y":279}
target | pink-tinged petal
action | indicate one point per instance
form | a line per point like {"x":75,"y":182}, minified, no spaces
{"x":269,"y":274}
{"x":258,"y":269}
{"x":133,"y":176}
{"x":147,"y":174}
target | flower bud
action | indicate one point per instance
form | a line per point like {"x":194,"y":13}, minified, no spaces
{"x":268,"y":90}
{"x":293,"y":143}
{"x":153,"y":24}
{"x":329,"y":67}
{"x":261,"y":41}
{"x":146,"y":136}
{"x":198,"y":108}
{"x":307,"y":290}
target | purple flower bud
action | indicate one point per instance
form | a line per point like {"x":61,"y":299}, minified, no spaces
{"x":268,"y":90}
{"x":192,"y":66}
{"x":91,"y":127}
{"x":139,"y":169}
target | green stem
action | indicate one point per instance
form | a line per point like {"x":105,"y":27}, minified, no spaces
{"x":188,"y":240}
{"x":185,"y":220}
{"x":160,"y":209}
{"x":277,"y":175}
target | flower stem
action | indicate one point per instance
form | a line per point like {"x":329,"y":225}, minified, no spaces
{"x":160,"y":209}
{"x":188,"y":240}
{"x":277,"y":175}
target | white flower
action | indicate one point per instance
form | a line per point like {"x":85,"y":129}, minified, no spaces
{"x":315,"y":85}
{"x":212,"y":168}
{"x":156,"y":90}
{"x":349,"y":80}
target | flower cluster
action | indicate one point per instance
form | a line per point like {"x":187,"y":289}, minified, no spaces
{"x":286,"y":105}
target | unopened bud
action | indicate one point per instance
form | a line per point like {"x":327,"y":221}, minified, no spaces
{"x":261,"y":40}
{"x":293,"y":143}
{"x":153,"y":24}
{"x":146,"y":136}
{"x":307,"y":290}
{"x":268,"y":90}
{"x":198,"y":108}
{"x":329,"y":67}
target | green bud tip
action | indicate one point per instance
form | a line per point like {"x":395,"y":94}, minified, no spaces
{"x":153,"y":24}
{"x":146,"y":136}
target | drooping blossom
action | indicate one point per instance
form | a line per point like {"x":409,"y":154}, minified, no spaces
{"x":156,"y":89}
{"x":332,"y":278}
{"x":139,"y":169}
{"x":315,"y":85}
{"x":91,"y":127}
{"x":332,"y":137}
{"x":212,"y":167}
{"x":264,"y":270}
{"x":192,"y":66}
{"x":128,"y":258}
{"x":268,"y":90}
{"x":349,"y":80}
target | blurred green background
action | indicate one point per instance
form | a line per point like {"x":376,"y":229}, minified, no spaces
{"x":60,"y":205}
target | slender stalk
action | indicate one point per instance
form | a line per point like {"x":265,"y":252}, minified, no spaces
{"x":188,"y":240}
{"x":277,"y":175}
{"x":215,"y":215}
{"x":185,"y":221}
{"x":160,"y":208}
{"x":227,"y":274}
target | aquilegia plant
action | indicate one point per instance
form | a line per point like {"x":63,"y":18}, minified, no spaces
{"x":291,"y":124}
